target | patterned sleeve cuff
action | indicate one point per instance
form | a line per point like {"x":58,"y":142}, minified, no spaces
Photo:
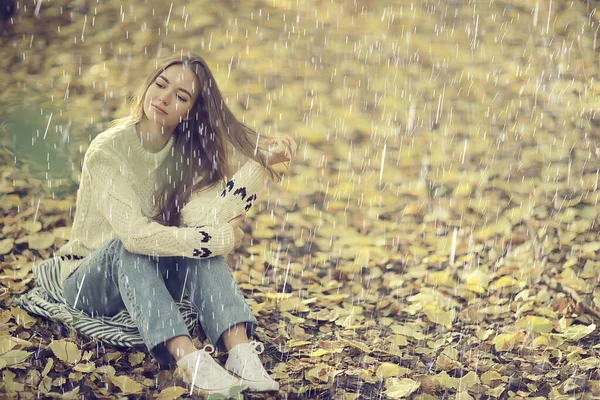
{"x":213,"y":240}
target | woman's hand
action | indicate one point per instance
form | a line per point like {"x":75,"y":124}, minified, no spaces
{"x":280,"y":150}
{"x":237,"y":231}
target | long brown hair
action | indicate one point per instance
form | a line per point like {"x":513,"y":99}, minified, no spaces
{"x":199,"y":159}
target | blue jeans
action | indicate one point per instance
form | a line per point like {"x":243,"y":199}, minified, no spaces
{"x":111,"y":278}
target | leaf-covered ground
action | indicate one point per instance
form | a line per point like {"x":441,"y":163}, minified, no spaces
{"x":436,"y":237}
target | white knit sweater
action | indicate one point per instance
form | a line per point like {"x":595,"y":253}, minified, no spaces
{"x":116,"y":198}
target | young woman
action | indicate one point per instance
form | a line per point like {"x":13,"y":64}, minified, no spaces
{"x":155,"y":216}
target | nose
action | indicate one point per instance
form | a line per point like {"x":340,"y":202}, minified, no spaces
{"x":163,"y":98}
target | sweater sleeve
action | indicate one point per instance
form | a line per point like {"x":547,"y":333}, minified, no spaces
{"x":119,"y":204}
{"x":222,"y":203}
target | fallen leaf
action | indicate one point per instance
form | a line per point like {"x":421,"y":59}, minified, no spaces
{"x":576,"y":332}
{"x":402,"y":388}
{"x":6,"y":245}
{"x":65,"y":351}
{"x":171,"y":393}
{"x":126,"y":384}
{"x":14,"y":357}
{"x":440,"y":316}
{"x":136,"y":358}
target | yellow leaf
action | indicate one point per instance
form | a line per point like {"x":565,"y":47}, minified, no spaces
{"x":292,"y":304}
{"x":440,"y":278}
{"x":85,"y":367}
{"x":366,"y":376}
{"x":571,"y":279}
{"x":438,"y":315}
{"x":535,"y":323}
{"x":590,"y":247}
{"x":549,"y":341}
{"x":464,"y":383}
{"x":278,"y":296}
{"x":506,"y":341}
{"x":463,"y":396}
{"x":489,"y":377}
{"x":359,"y":345}
{"x":478,"y":279}
{"x":6,"y":245}
{"x":171,"y":393}
{"x":65,"y":351}
{"x":50,"y":205}
{"x":48,"y":366}
{"x":32,"y":227}
{"x":298,"y":343}
{"x":292,"y":318}
{"x":467,"y":381}
{"x":106,"y":369}
{"x":334,"y":298}
{"x":41,"y":241}
{"x":397,"y":340}
{"x":322,"y":352}
{"x":319,"y":353}
{"x":263,"y":233}
{"x":23,"y":318}
{"x":504,"y":281}
{"x":483,"y":335}
{"x":402,"y":388}
{"x":576,"y":332}
{"x":496,"y":309}
{"x":6,"y":344}
{"x":409,"y":331}
{"x":386,"y":370}
{"x":13,"y":357}
{"x":136,"y":358}
{"x":502,"y":227}
{"x":126,"y":384}
{"x":497,"y":391}
{"x":321,"y":373}
{"x":463,"y":189}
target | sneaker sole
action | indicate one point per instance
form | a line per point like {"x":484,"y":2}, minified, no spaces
{"x":247,"y":383}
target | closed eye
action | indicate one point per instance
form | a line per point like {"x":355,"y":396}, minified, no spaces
{"x":178,"y":96}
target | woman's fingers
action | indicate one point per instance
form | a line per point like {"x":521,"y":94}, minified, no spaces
{"x":237,"y":220}
{"x":281,"y":149}
{"x":292,"y":144}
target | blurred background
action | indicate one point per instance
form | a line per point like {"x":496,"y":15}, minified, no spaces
{"x":444,"y":144}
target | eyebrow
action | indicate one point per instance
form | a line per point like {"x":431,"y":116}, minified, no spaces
{"x":182,"y":89}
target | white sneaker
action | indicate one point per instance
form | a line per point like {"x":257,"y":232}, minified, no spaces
{"x":209,"y":378}
{"x":244,"y":362}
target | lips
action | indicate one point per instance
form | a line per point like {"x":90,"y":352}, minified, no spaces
{"x":160,"y":110}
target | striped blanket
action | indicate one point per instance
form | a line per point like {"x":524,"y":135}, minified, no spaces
{"x":46,"y":299}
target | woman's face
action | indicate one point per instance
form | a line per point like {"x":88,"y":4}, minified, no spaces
{"x":171,"y":96}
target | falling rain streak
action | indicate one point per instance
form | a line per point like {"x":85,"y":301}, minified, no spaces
{"x":436,"y":234}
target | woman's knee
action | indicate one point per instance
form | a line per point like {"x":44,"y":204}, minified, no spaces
{"x":127,"y":259}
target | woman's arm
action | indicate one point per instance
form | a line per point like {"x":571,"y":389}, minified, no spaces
{"x":119,"y":204}
{"x":224,"y":202}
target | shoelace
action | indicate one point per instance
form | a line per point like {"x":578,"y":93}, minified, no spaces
{"x":254,"y":363}
{"x":209,"y":349}
{"x":258,"y":347}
